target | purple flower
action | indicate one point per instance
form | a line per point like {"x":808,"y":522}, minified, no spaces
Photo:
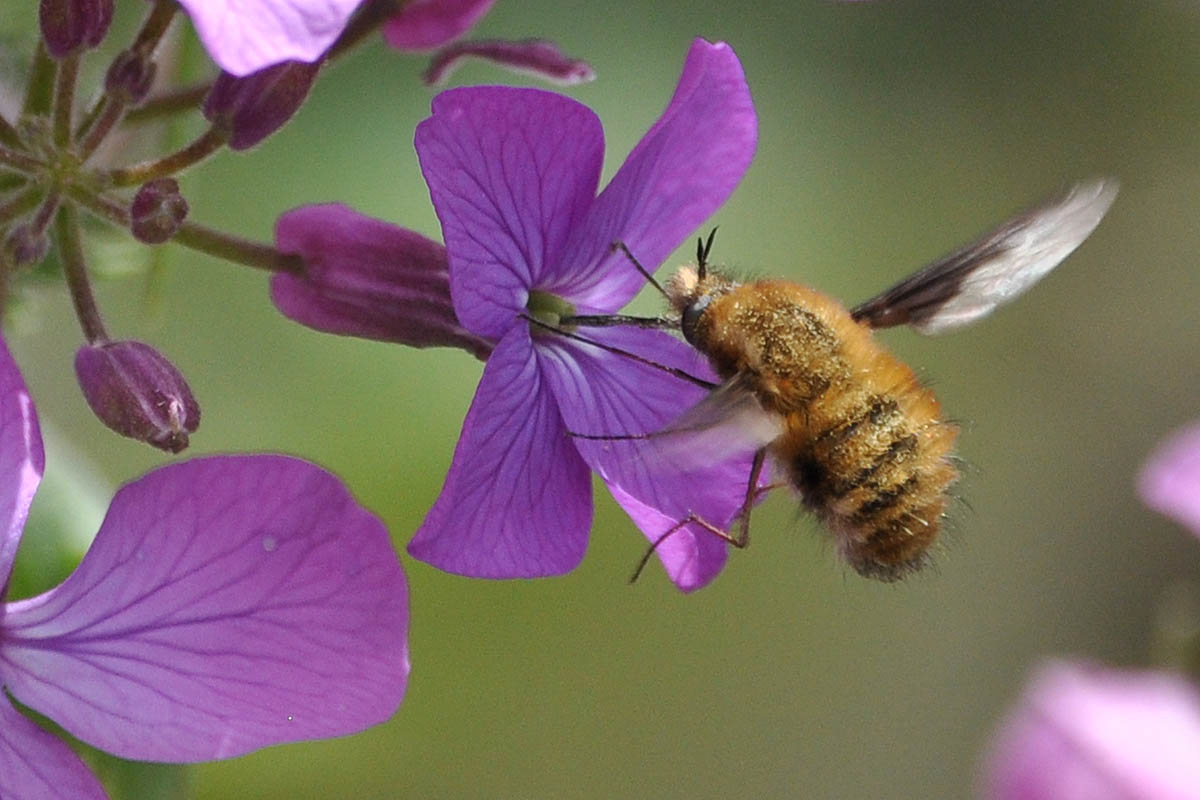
{"x":243,"y":36}
{"x":427,"y":24}
{"x":1170,"y":481}
{"x":226,"y":604}
{"x":246,"y":36}
{"x":513,"y":176}
{"x":368,"y":278}
{"x":1088,"y":733}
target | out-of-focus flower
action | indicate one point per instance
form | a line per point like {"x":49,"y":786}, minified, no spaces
{"x":1170,"y":480}
{"x":513,"y":174}
{"x":226,"y":604}
{"x":536,"y":57}
{"x":427,"y":24}
{"x":1084,"y":732}
{"x":244,"y":36}
{"x":249,"y":35}
{"x":69,"y":26}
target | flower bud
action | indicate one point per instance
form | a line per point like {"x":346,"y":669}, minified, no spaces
{"x":251,"y":108}
{"x":24,"y":245}
{"x":71,"y":25}
{"x":135,"y":391}
{"x":129,"y":77}
{"x":157,"y":211}
{"x":536,"y":57}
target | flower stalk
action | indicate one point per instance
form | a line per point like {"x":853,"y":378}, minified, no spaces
{"x":75,"y":267}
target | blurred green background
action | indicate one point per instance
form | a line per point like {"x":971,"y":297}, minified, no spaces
{"x":890,"y":132}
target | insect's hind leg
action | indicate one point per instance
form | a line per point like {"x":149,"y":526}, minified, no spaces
{"x":738,"y":540}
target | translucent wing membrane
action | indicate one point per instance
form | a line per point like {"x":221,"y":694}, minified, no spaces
{"x":970,"y":283}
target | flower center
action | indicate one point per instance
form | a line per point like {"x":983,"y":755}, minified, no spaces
{"x":548,"y":308}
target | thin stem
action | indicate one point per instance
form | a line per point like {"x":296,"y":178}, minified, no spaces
{"x":8,"y":134}
{"x":99,"y":122}
{"x":370,"y":17}
{"x":199,"y":237}
{"x":19,"y":203}
{"x":103,"y":207}
{"x":205,"y":145}
{"x":168,"y":103}
{"x":71,"y":252}
{"x":108,"y":110}
{"x":45,"y":213}
{"x":64,"y":99}
{"x":41,"y":83}
{"x":238,"y":250}
{"x":16,"y":161}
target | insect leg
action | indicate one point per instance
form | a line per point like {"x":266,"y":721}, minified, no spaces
{"x":624,"y":248}
{"x":741,"y":539}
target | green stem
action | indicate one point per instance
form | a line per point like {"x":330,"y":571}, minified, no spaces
{"x":16,"y":161}
{"x":71,"y":252}
{"x":108,"y":110}
{"x":45,"y":212}
{"x":168,"y":103}
{"x":100,"y":121}
{"x":370,"y":17}
{"x":40,"y":89}
{"x":238,"y":250}
{"x":8,"y":134}
{"x":198,"y":237}
{"x":19,"y":203}
{"x":205,"y":145}
{"x":64,"y":99}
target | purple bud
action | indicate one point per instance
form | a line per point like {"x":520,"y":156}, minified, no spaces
{"x":135,"y":391}
{"x":25,"y":245}
{"x":71,"y":25}
{"x":129,"y":77}
{"x":251,"y":108}
{"x":157,"y":211}
{"x":536,"y":57}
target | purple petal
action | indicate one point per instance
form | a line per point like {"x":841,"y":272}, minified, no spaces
{"x":536,"y":57}
{"x":226,"y":604}
{"x":368,"y":278}
{"x":600,"y":392}
{"x":681,"y":171}
{"x":244,"y":36}
{"x":518,"y":500}
{"x":21,"y":460}
{"x":37,"y":765}
{"x":1088,"y":733}
{"x":426,"y":24}
{"x":1170,"y":481}
{"x":511,"y":172}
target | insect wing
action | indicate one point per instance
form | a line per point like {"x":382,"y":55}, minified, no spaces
{"x":970,"y":283}
{"x":729,"y":421}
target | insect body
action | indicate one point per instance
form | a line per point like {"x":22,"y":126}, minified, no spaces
{"x":848,"y":425}
{"x":862,"y":440}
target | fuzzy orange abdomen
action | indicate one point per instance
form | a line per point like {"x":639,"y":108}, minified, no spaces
{"x":864,"y":442}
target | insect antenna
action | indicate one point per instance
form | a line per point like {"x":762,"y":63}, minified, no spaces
{"x":703,"y":248}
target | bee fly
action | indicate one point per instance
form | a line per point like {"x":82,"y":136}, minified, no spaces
{"x":849,"y":425}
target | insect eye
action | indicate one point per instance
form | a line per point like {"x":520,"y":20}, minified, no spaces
{"x":692,"y":314}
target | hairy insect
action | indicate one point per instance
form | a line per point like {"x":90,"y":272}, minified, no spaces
{"x":846,"y":423}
